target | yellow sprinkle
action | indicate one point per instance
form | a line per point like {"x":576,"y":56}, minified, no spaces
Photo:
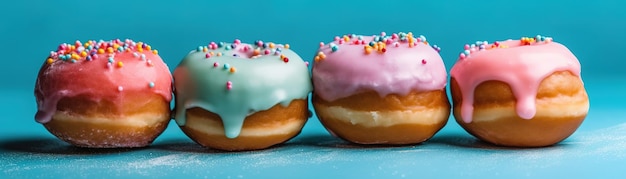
{"x":346,"y":38}
{"x":115,"y":46}
{"x":323,"y":56}
{"x":75,"y":56}
{"x":83,"y":54}
{"x":219,"y":54}
{"x":72,"y":47}
{"x":320,"y":53}
{"x":271,"y":45}
{"x":120,"y":64}
{"x":211,"y":53}
{"x":317,"y":58}
{"x":368,"y":50}
{"x":100,"y":51}
{"x":287,"y":46}
{"x":155,"y":51}
{"x":140,"y":49}
{"x":205,"y":49}
{"x":232,"y":69}
{"x":411,"y":44}
{"x":148,"y":47}
{"x":282,"y":57}
{"x":256,"y":52}
{"x":50,"y":60}
{"x":110,"y":49}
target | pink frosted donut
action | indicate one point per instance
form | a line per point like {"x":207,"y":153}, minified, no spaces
{"x":381,"y":89}
{"x":523,"y":93}
{"x":104,"y":94}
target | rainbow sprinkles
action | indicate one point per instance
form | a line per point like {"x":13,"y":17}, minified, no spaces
{"x":484,"y":45}
{"x":374,"y":44}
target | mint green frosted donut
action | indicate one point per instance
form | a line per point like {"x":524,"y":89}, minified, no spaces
{"x":235,"y":80}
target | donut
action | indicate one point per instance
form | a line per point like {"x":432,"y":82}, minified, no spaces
{"x":239,"y":97}
{"x":519,"y":93}
{"x":104,"y":94}
{"x":380,"y":89}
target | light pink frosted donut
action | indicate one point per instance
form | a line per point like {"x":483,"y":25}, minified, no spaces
{"x":381,"y":89}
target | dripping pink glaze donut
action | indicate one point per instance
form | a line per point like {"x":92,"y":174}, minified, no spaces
{"x":522,"y":68}
{"x":104,"y":94}
{"x":381,"y":89}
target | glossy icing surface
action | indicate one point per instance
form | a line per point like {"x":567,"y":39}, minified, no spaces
{"x":388,"y":64}
{"x":236,"y":79}
{"x":100,"y":70}
{"x":522,"y":64}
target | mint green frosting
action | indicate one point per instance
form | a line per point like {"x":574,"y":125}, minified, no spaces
{"x":257,"y":84}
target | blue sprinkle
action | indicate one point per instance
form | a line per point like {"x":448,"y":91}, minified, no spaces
{"x":111,"y":60}
{"x":234,"y":55}
{"x":220,"y":45}
{"x":372,"y":43}
{"x":279,"y":49}
{"x":227,"y":47}
{"x":151,"y":84}
{"x":334,"y":48}
{"x":466,"y":52}
{"x":377,"y":39}
{"x":360,"y":37}
{"x":199,"y":48}
{"x":73,"y":61}
{"x":226,"y":66}
{"x":233,"y":45}
{"x":88,"y":58}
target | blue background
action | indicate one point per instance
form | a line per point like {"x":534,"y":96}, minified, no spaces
{"x":593,"y":30}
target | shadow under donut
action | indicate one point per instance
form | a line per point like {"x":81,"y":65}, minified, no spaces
{"x":468,"y":141}
{"x":328,"y":141}
{"x":47,"y":145}
{"x":184,"y":145}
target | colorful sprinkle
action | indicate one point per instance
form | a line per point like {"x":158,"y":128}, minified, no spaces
{"x":151,"y":84}
{"x":229,"y":85}
{"x":120,"y":88}
{"x":120,"y":64}
{"x":226,"y":66}
{"x":232,"y":70}
{"x":215,"y":64}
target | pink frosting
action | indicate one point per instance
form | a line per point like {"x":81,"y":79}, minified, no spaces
{"x":98,"y":79}
{"x":522,"y":65}
{"x":398,"y":68}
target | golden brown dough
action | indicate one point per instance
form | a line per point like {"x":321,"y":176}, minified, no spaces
{"x":366,"y":118}
{"x":260,"y":130}
{"x":562,"y":104}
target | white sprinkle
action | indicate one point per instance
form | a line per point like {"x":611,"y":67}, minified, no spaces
{"x":120,"y":88}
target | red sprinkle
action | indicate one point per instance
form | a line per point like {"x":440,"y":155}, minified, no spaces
{"x":423,"y":61}
{"x":286,"y":59}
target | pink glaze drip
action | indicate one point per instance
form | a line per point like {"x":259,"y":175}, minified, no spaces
{"x":98,"y":79}
{"x":398,"y":69}
{"x":522,"y":66}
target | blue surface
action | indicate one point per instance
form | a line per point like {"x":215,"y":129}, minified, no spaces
{"x":594,"y":31}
